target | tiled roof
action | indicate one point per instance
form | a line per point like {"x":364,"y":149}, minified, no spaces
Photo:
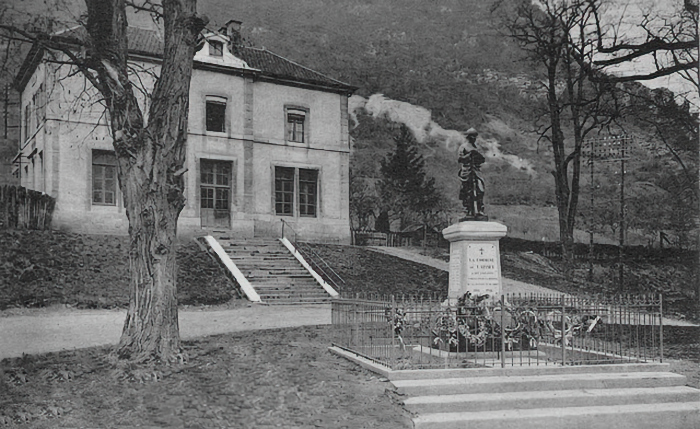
{"x":145,"y":41}
{"x":150,"y":43}
{"x":276,"y":66}
{"x":141,"y":40}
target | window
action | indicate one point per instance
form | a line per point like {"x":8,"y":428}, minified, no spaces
{"x":307,"y":192}
{"x":296,"y":186}
{"x":39,"y":106}
{"x":104,"y":178}
{"x":216,"y":49}
{"x":216,"y":184}
{"x":216,"y":180}
{"x":284,"y":191}
{"x":27,"y":122}
{"x":216,"y":114}
{"x":296,"y":125}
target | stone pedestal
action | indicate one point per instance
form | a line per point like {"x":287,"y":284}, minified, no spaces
{"x":475,"y":262}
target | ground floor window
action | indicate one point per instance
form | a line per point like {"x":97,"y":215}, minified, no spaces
{"x":215,"y":192}
{"x":296,"y":191}
{"x":104,"y":178}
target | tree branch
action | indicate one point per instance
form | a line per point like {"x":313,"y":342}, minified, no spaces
{"x":664,"y":71}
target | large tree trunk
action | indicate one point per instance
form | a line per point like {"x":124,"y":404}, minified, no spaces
{"x":151,"y":327}
{"x":151,"y":162}
{"x":560,"y":173}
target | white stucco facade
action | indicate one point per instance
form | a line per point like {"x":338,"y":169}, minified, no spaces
{"x":63,"y":128}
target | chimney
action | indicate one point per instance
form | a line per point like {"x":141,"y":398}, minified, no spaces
{"x":232,"y":29}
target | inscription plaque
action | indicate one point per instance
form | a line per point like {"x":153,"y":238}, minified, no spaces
{"x":483,"y":271}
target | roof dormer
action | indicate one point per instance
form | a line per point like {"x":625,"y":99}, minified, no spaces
{"x":215,"y":50}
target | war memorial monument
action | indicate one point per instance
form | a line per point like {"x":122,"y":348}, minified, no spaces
{"x":475,"y":263}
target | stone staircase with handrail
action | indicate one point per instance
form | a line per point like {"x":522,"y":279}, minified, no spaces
{"x":315,"y":261}
{"x":272,"y":271}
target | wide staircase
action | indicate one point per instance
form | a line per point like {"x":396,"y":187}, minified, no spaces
{"x":275,"y":274}
{"x":634,"y":396}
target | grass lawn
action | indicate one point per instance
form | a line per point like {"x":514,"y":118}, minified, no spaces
{"x":257,"y":379}
{"x":43,"y":268}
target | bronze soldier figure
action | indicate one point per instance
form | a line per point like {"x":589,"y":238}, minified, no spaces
{"x":472,"y":191}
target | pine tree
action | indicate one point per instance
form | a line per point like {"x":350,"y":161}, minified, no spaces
{"x":405,"y":189}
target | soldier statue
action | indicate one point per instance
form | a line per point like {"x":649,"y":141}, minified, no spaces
{"x":472,"y":191}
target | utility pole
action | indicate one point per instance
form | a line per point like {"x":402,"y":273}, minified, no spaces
{"x":609,"y":149}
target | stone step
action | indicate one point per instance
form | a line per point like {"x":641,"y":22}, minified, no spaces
{"x":325,"y":301}
{"x":282,"y":281}
{"x":472,"y":402}
{"x":527,"y":370}
{"x":276,"y":282}
{"x":271,"y":250}
{"x":247,"y":264}
{"x":295,"y":298}
{"x":268,"y":272}
{"x":275,"y":271}
{"x":250,"y":240}
{"x":279,"y":293}
{"x":676,"y":415}
{"x":253,"y":244}
{"x":278,"y":273}
{"x":251,"y":259}
{"x":279,"y":278}
{"x":260,"y":256}
{"x":297,"y":288}
{"x":502,"y":384}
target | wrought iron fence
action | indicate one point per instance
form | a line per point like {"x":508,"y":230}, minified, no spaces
{"x":517,"y":330}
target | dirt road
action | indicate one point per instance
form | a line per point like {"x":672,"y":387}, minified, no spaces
{"x":43,"y":331}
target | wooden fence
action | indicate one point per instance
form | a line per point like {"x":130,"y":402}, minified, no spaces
{"x":373,"y":238}
{"x":22,"y":208}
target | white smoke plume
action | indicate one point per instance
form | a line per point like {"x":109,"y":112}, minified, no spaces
{"x":419,"y":120}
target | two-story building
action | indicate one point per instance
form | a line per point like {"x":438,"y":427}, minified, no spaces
{"x":267,"y":141}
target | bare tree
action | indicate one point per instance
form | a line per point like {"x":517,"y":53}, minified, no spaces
{"x":671,"y":42}
{"x":557,"y":36}
{"x":151,"y":156}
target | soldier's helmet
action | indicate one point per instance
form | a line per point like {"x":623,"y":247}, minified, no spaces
{"x":471,"y":132}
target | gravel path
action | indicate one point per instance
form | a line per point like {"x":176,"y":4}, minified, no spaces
{"x":509,"y":286}
{"x":42,"y":331}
